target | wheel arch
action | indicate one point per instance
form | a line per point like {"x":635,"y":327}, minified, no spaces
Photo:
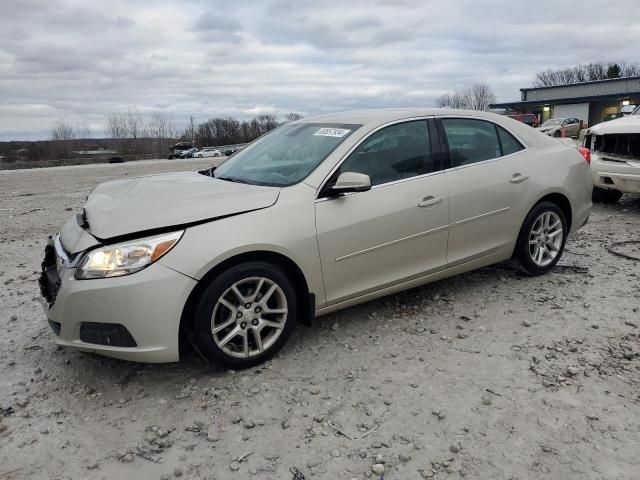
{"x":562,"y":201}
{"x":559,"y":199}
{"x":306,"y":299}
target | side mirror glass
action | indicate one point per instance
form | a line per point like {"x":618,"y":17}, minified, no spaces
{"x":351,"y":182}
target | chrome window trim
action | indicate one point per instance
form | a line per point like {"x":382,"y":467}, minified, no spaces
{"x":525,"y":148}
{"x":360,"y":142}
{"x":460,"y":167}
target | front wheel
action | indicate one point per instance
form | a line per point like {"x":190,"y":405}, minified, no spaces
{"x":245,"y":315}
{"x":541,"y":240}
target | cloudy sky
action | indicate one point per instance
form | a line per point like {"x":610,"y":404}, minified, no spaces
{"x":80,"y":60}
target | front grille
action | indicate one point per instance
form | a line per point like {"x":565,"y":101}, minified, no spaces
{"x":49,"y":280}
{"x":112,"y":334}
{"x":619,"y":144}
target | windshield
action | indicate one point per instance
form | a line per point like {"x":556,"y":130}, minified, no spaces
{"x":554,"y":121}
{"x":286,"y":155}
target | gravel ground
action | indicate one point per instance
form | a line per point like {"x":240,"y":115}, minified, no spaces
{"x":485,"y":375}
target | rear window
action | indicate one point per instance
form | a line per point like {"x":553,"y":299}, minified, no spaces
{"x":508,"y":142}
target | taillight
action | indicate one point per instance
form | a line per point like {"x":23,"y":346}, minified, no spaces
{"x":586,"y":153}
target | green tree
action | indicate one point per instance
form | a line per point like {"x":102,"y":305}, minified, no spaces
{"x":614,"y":71}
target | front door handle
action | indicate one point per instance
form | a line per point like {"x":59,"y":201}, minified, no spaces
{"x":517,"y":178}
{"x":430,"y":201}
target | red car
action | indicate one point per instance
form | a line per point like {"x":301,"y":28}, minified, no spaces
{"x":528,"y":118}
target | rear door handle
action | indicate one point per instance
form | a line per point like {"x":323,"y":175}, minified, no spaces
{"x":517,"y":178}
{"x":430,"y":201}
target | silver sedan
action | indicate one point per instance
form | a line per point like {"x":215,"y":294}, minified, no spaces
{"x":316,"y":216}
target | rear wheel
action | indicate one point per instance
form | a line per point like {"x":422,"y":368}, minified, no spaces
{"x":541,"y":240}
{"x":245,"y":315}
{"x":605,"y":195}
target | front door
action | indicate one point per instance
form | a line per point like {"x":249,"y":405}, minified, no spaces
{"x":395,"y":231}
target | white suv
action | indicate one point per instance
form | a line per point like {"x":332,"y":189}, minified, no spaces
{"x":615,"y":157}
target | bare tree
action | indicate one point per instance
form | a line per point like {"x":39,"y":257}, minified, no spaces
{"x":135,"y":122}
{"x":61,"y":130}
{"x":451,"y":100}
{"x":161,"y":130}
{"x":292,"y":117}
{"x":83,"y":130}
{"x":117,"y":129}
{"x":586,"y":73}
{"x":62,"y":135}
{"x":477,"y":97}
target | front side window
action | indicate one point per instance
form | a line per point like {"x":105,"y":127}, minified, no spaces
{"x":471,"y":140}
{"x":286,"y":155}
{"x":394,"y":153}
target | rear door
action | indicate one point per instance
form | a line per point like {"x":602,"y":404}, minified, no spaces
{"x":397,"y":230}
{"x":488,"y":179}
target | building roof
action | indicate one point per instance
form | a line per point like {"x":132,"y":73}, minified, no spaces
{"x":591,"y":82}
{"x":564,"y":101}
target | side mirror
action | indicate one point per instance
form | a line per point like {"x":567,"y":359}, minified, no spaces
{"x":351,"y":182}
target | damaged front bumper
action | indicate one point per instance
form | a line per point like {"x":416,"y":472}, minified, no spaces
{"x":615,"y":172}
{"x":135,"y":317}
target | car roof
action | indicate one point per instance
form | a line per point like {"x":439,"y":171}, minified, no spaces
{"x":385,"y":115}
{"x":373,"y":118}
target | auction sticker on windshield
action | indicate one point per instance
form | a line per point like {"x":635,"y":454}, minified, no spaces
{"x":332,"y":132}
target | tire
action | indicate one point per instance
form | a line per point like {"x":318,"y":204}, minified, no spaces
{"x":525,"y":256}
{"x":219,"y":307}
{"x":605,"y":195}
{"x":557,"y":134}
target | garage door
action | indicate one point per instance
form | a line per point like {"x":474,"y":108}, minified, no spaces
{"x":572,"y":110}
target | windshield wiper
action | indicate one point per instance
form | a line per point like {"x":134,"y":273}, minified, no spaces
{"x":233,"y":179}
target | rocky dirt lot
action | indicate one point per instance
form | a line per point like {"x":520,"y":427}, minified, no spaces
{"x":488,"y":375}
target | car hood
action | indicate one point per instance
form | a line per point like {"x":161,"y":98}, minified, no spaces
{"x":144,"y":204}
{"x":628,"y":124}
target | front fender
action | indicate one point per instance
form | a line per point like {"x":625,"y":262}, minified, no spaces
{"x":287,"y":228}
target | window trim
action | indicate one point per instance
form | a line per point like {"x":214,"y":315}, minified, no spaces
{"x":364,"y":139}
{"x":445,"y":141}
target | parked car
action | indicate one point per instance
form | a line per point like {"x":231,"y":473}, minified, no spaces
{"x":615,"y":157}
{"x":178,"y":148}
{"x":207,"y":152}
{"x":230,"y":151}
{"x":555,"y":127}
{"x":313,"y":217}
{"x":527,"y":118}
{"x":187,"y":153}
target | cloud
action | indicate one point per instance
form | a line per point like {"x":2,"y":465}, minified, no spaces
{"x":82,"y":60}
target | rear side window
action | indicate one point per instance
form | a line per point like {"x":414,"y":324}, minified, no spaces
{"x":508,"y":142}
{"x":471,"y":140}
{"x":393,"y":153}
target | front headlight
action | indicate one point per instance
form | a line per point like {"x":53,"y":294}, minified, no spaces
{"x":125,"y":258}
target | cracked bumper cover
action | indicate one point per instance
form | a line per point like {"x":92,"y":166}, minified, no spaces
{"x":148,"y":304}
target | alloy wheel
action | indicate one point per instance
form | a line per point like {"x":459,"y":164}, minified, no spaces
{"x":545,"y":238}
{"x":249,"y":317}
